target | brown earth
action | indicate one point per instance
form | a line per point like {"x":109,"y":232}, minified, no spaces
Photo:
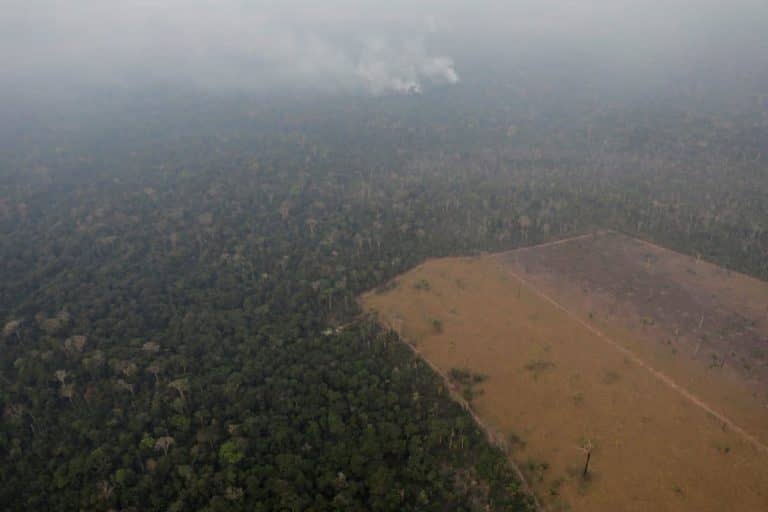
{"x":573,"y":338}
{"x":704,"y":326}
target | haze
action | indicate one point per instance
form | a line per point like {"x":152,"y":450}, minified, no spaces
{"x":343,"y":46}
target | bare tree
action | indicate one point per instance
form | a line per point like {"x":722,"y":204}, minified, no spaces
{"x":67,"y":391}
{"x":61,"y":376}
{"x":126,"y":386}
{"x":525,"y":223}
{"x":285,"y":208}
{"x":311,"y":224}
{"x":151,"y":347}
{"x":163,"y":443}
{"x":75,"y":343}
{"x":155,"y":370}
{"x":586,"y":447}
{"x":105,"y":490}
{"x":12,"y":327}
{"x":129,"y":369}
{"x":180,"y":385}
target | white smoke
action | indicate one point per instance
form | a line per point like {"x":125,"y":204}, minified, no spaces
{"x":440,"y":69}
{"x":385,"y":68}
{"x":226,"y":44}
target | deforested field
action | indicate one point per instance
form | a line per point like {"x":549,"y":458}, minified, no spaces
{"x":651,"y":361}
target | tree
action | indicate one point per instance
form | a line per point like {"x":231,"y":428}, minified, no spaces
{"x":180,"y":385}
{"x":61,"y":376}
{"x":164,"y":443}
{"x":230,"y":453}
{"x":75,"y":343}
{"x":525,"y":223}
{"x":586,"y":448}
{"x":12,"y":328}
{"x":154,"y":369}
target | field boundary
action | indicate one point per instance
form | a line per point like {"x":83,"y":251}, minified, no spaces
{"x":490,"y":433}
{"x":667,"y":380}
{"x":638,"y":237}
{"x":591,"y":234}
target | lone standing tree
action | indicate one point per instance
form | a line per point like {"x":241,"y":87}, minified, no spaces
{"x":586,"y":447}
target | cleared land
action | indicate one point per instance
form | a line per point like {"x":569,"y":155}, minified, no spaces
{"x":652,"y":357}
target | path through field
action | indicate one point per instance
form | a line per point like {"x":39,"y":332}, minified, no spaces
{"x":659,"y":375}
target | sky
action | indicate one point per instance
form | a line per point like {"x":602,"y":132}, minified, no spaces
{"x":370,"y":46}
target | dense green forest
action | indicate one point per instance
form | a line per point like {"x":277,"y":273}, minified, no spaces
{"x":178,"y":282}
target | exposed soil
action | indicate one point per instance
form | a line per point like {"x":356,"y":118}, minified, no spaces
{"x":704,"y":326}
{"x":664,"y":435}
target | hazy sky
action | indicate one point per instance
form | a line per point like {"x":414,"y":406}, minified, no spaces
{"x":365,"y":45}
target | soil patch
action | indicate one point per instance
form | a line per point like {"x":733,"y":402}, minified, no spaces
{"x":562,"y":347}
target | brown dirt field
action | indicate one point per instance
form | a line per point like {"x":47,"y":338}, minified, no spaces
{"x":556,"y":377}
{"x":704,"y":326}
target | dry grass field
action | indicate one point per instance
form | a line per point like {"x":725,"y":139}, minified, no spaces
{"x":650,"y":357}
